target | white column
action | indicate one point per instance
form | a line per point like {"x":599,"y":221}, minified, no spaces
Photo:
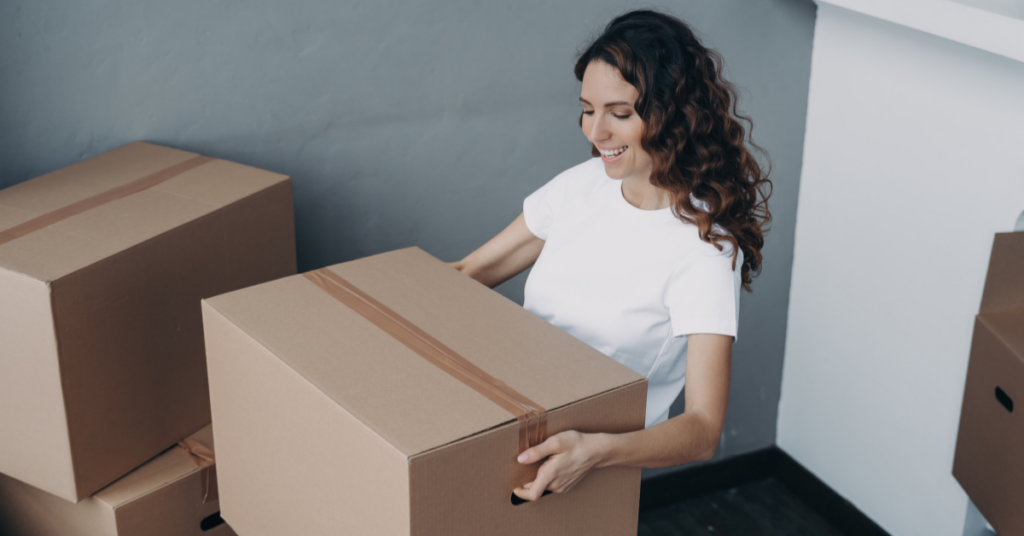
{"x":912,"y":161}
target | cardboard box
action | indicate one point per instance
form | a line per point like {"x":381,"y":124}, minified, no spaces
{"x":101,"y":349}
{"x":328,"y":424}
{"x":163,"y":497}
{"x":989,"y":459}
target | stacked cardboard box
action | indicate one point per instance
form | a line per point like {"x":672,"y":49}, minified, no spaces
{"x":102,"y":268}
{"x":988,"y":462}
{"x":380,"y":396}
{"x":174,"y":494}
{"x":389,"y":395}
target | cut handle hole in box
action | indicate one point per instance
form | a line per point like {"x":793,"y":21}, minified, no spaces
{"x":1004,"y":399}
{"x":516,"y":501}
{"x":211,"y":521}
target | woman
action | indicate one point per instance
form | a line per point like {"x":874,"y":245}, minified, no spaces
{"x":641,"y":252}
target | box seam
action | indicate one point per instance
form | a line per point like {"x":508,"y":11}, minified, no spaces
{"x":33,"y":278}
{"x":160,"y":487}
{"x":63,"y":389}
{"x":185,"y":225}
{"x":510,"y":421}
{"x":982,"y":318}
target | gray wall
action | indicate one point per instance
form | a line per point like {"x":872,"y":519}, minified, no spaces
{"x":401,"y":123}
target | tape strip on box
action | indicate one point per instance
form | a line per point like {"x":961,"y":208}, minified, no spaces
{"x":532,"y":417}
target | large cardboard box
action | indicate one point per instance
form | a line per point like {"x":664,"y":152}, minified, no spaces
{"x":340,"y":417}
{"x":989,"y":459}
{"x":174,"y":494}
{"x":102,"y":267}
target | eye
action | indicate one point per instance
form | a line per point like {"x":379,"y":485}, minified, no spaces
{"x":622,"y":116}
{"x":588,"y":112}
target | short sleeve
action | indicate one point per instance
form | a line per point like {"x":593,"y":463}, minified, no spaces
{"x":540,"y":209}
{"x":703,"y":295}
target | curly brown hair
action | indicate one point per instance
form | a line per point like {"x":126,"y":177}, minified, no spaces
{"x":692,"y":130}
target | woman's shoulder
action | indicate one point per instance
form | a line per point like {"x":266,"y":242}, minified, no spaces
{"x":689,"y":247}
{"x":695,"y":255}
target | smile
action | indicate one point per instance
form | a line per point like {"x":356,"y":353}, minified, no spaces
{"x":612,"y":155}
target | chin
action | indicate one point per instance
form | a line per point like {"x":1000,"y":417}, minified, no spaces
{"x":616,"y":172}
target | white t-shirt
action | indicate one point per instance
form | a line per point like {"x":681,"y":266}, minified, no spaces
{"x":631,"y":283}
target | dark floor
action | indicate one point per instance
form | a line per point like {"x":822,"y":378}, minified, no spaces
{"x":764,"y":508}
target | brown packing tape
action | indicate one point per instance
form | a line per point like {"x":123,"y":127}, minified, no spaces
{"x":533,"y":419}
{"x":204,"y":460}
{"x":89,"y":203}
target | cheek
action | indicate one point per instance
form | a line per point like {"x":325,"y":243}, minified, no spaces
{"x":633,"y":135}
{"x":633,"y":132}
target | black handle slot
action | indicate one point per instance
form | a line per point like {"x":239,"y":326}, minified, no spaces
{"x":1004,"y":399}
{"x":516,"y":501}
{"x":211,"y":521}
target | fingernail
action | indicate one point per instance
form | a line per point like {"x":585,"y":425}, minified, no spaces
{"x":522,"y":458}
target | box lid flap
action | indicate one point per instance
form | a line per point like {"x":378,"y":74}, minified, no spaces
{"x":170,"y":466}
{"x":78,"y":241}
{"x":1008,"y":326}
{"x":1004,"y":284}
{"x":409,"y":402}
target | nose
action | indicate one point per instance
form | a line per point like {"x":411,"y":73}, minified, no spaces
{"x":597,"y":131}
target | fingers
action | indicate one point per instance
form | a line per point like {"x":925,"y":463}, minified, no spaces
{"x":545,"y":494}
{"x":534,"y":490}
{"x":538,"y":453}
{"x":564,"y":486}
{"x":522,"y":493}
{"x":558,"y":473}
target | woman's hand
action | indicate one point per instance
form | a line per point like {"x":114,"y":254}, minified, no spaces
{"x":570,"y":456}
{"x":502,"y":257}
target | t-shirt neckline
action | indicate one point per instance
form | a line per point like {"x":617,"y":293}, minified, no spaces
{"x":626,"y":205}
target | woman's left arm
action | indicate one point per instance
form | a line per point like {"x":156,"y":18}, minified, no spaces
{"x":684,"y":438}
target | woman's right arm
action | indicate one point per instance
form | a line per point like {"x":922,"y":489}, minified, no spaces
{"x":502,"y":257}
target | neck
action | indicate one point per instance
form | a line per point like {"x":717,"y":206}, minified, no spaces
{"x":639,"y":192}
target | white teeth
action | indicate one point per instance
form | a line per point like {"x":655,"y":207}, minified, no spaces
{"x":613,"y":152}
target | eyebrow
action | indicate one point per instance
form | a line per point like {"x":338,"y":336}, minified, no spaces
{"x":607,"y":105}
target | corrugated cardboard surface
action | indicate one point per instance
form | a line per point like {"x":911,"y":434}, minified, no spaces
{"x":1004,"y":284}
{"x":989,"y":460}
{"x":352,"y":362}
{"x":989,"y":463}
{"x":355,"y":433}
{"x":124,"y":282}
{"x":465,"y":488}
{"x":79,"y":241}
{"x":161,"y":498}
{"x":33,"y":432}
{"x":290,"y":461}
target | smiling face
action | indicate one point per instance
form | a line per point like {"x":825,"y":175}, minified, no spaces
{"x":610,"y":122}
